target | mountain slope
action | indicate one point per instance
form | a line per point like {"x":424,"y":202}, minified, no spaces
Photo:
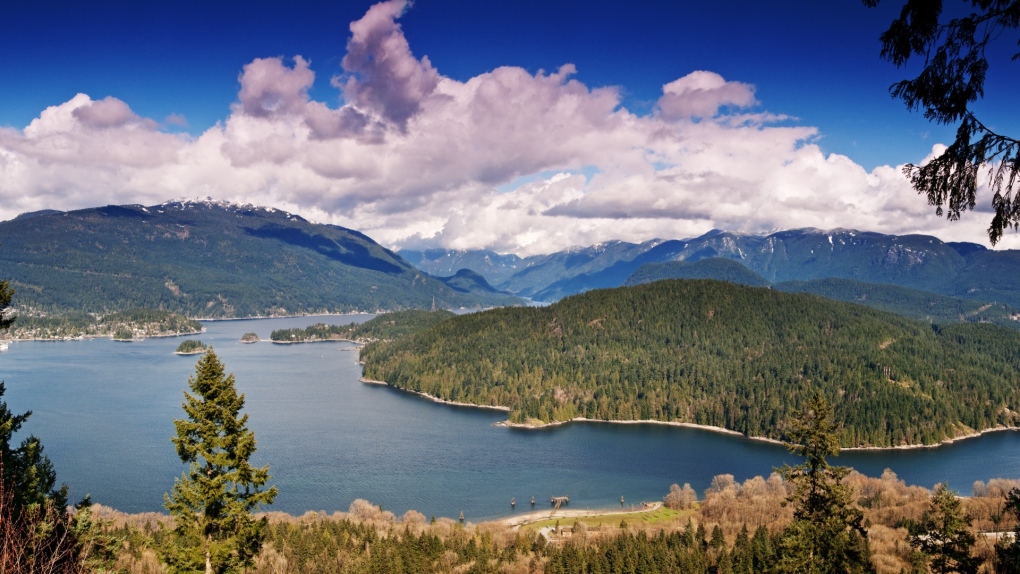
{"x":495,"y":267}
{"x":920,"y":305}
{"x":718,"y":354}
{"x":919,"y":262}
{"x":714,"y":268}
{"x":207,"y":259}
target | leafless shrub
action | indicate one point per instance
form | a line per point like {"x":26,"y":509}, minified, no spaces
{"x":680,"y":498}
{"x":37,"y":539}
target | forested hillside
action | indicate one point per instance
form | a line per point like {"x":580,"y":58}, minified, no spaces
{"x":208,"y":259}
{"x":133,"y":322}
{"x":921,"y":305}
{"x":913,"y":303}
{"x":384,"y":327}
{"x":713,"y":353}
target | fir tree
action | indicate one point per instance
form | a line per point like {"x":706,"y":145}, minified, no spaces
{"x":827,"y":533}
{"x":943,"y":535}
{"x":212,"y":502}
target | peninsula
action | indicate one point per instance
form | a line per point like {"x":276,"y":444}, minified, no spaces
{"x":717,"y":355}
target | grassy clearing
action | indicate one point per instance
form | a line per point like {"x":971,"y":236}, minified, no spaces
{"x":657,"y":516}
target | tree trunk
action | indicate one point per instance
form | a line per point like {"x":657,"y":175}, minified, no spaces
{"x":208,"y":559}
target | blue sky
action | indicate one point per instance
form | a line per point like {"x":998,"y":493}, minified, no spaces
{"x":814,"y":63}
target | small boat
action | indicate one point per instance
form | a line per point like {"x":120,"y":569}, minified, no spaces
{"x":3,"y":345}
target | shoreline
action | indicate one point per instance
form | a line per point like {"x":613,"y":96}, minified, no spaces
{"x":308,"y":341}
{"x":92,"y":337}
{"x":435,"y":399}
{"x":945,"y":442}
{"x":529,"y":426}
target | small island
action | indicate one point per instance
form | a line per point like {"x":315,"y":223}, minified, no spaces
{"x":123,"y":334}
{"x":191,"y":347}
{"x":249,"y":338}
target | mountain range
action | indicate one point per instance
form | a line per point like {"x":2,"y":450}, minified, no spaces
{"x":214,"y":259}
{"x":920,"y":262}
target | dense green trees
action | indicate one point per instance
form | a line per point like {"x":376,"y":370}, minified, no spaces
{"x":827,"y":533}
{"x":213,"y":500}
{"x":384,"y":327}
{"x":190,"y":346}
{"x":943,"y":535}
{"x":718,"y":354}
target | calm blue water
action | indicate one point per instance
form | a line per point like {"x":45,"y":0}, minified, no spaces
{"x":104,"y":411}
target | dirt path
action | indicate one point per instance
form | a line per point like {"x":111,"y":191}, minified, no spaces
{"x":538,"y":516}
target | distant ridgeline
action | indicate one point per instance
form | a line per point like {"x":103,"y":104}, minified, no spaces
{"x":921,"y":305}
{"x":130,"y":324}
{"x":921,"y":262}
{"x":714,"y":353}
{"x":209,"y":259}
{"x":381,"y":328}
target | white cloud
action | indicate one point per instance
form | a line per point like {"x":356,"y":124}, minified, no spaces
{"x":701,"y":94}
{"x":412,"y":157}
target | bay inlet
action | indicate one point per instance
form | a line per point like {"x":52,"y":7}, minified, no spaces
{"x":104,"y":412}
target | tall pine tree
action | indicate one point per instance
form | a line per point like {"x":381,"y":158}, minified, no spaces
{"x":827,"y":533}
{"x":213,"y":501}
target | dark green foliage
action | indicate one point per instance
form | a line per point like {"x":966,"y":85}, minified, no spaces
{"x":190,"y":346}
{"x":921,"y":305}
{"x":210,"y":260}
{"x":384,"y":327}
{"x":943,"y":535}
{"x":954,"y":51}
{"x":321,"y":545}
{"x":123,"y":334}
{"x":213,"y":500}
{"x":716,"y":354}
{"x":827,"y":533}
{"x":401,"y":323}
{"x":250,"y":338}
{"x":713,"y":268}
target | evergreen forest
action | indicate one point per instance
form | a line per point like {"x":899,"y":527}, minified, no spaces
{"x":717,"y":354}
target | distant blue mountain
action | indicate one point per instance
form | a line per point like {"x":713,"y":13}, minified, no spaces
{"x":921,"y":262}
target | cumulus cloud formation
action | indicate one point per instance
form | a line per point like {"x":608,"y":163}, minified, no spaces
{"x":270,"y":88}
{"x":700,"y":94}
{"x":383,"y":74}
{"x":108,"y":112}
{"x":507,"y":160}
